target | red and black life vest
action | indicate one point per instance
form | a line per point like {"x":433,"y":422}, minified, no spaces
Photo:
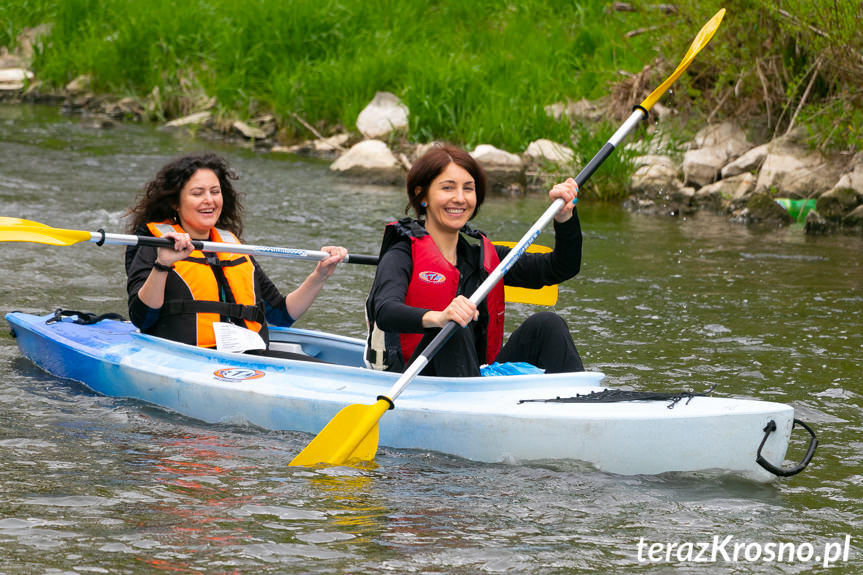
{"x":209,"y":298}
{"x":433,"y":285}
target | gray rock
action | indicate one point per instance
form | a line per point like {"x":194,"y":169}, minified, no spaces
{"x":795,"y":172}
{"x":712,"y":148}
{"x":653,"y":159}
{"x":654,"y":181}
{"x":726,"y":194}
{"x":838,"y":202}
{"x":816,"y":224}
{"x":762,"y":208}
{"x":854,"y":218}
{"x":751,"y":161}
{"x":727,"y":136}
{"x":701,"y":166}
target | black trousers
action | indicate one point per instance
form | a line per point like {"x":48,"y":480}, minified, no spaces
{"x":542,"y":340}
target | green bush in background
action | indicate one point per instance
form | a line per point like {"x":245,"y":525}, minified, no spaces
{"x":470,"y":71}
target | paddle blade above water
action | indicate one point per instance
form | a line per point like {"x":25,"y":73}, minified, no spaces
{"x":704,"y":35}
{"x":41,"y":234}
{"x":350,"y":437}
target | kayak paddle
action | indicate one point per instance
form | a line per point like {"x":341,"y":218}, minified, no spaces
{"x":18,"y":230}
{"x":352,"y":435}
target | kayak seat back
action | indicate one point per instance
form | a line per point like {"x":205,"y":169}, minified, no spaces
{"x":323,"y":346}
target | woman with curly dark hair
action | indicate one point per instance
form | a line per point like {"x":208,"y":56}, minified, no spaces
{"x":181,"y":293}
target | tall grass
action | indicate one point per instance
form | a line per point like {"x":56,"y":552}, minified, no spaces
{"x":469,"y":71}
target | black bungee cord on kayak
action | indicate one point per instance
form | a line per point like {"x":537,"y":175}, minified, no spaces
{"x":616,"y":395}
{"x":84,"y":318}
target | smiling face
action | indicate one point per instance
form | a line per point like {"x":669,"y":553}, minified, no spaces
{"x":200,"y":204}
{"x":451,"y":199}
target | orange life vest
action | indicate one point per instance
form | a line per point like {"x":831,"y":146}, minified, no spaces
{"x":206,"y":301}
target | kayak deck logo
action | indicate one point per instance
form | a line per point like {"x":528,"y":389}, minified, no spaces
{"x":432,"y":277}
{"x":238,"y":374}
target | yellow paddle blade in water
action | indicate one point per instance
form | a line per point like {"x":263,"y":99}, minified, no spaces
{"x":546,"y":295}
{"x":700,"y":41}
{"x":350,"y":437}
{"x":12,"y":231}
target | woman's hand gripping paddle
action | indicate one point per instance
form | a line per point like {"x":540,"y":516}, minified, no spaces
{"x":352,"y":435}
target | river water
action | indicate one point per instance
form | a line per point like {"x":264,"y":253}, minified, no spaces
{"x":90,"y":484}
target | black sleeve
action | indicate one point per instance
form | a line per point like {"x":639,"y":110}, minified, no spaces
{"x":139,"y":261}
{"x":562,"y":263}
{"x":274,"y":301}
{"x":389,"y":290}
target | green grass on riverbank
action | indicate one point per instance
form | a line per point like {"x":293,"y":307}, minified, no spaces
{"x":471,"y":72}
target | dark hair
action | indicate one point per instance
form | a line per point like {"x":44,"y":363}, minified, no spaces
{"x":431,"y":164}
{"x":161,"y":196}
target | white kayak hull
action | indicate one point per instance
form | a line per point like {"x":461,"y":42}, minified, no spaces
{"x":482,"y":419}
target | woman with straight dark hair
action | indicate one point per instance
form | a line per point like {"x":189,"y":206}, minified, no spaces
{"x":431,"y":264}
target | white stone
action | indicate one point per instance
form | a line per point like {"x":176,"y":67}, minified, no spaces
{"x":853,"y":178}
{"x":748,"y":162}
{"x":190,"y":120}
{"x":79,"y":84}
{"x":550,"y":151}
{"x":366,"y":155}
{"x":796,"y":172}
{"x":331,"y":144}
{"x":489,"y":155}
{"x":653,"y":159}
{"x":655,"y":180}
{"x":248,"y":131}
{"x":727,"y":192}
{"x":727,"y":137}
{"x":382,"y":116}
{"x":701,"y":166}
{"x":15,"y":75}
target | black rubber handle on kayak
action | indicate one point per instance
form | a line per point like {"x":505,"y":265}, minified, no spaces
{"x":782,"y":471}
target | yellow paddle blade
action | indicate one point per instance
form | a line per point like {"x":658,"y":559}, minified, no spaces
{"x":350,"y":437}
{"x":546,"y":295}
{"x":7,"y":221}
{"x":700,"y":41}
{"x":42,"y":235}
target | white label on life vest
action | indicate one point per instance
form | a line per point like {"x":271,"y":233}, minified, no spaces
{"x":231,"y":337}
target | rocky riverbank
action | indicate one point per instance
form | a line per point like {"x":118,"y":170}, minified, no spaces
{"x":720,"y":170}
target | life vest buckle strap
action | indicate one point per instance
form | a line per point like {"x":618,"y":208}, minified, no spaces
{"x":232,"y":310}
